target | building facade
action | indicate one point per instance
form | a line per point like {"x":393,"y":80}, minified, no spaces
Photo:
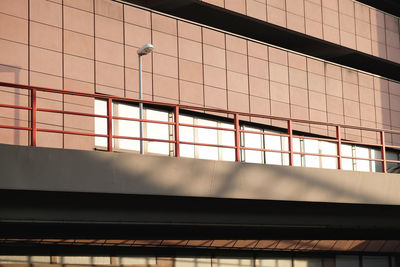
{"x":231,"y":88}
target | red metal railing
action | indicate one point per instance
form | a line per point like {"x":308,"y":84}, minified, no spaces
{"x":34,"y":109}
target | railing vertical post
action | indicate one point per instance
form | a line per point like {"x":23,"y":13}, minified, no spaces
{"x":383,"y":151}
{"x":290,"y":141}
{"x":176,"y":125}
{"x":237,"y":137}
{"x":339,"y":147}
{"x":33,"y":117}
{"x":109,"y":125}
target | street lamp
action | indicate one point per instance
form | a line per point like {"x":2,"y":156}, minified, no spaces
{"x":144,"y":50}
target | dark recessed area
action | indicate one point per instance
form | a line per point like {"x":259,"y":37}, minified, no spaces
{"x":389,"y":6}
{"x":40,"y":214}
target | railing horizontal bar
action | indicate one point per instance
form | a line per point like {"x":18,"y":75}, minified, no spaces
{"x":360,"y":143}
{"x":315,"y":154}
{"x":369,"y":159}
{"x":70,"y":132}
{"x":206,"y":127}
{"x":264,"y":150}
{"x":264,"y":133}
{"x":15,"y":127}
{"x":144,"y":139}
{"x":316,"y":138}
{"x":70,"y":112}
{"x":144,"y":120}
{"x":14,"y":106}
{"x":225,"y":112}
{"x":204,"y":144}
{"x":393,"y":161}
{"x":392,"y":146}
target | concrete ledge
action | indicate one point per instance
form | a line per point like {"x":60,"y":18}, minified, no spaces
{"x":48,"y":169}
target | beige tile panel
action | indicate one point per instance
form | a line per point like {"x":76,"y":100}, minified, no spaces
{"x":109,"y":29}
{"x":109,"y":9}
{"x":15,"y":8}
{"x":46,"y":12}
{"x":137,"y":16}
{"x":86,"y":5}
{"x":78,"y":20}
{"x":13,"y":28}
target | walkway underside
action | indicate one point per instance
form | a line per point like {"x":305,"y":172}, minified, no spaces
{"x":34,"y":214}
{"x":198,"y":248}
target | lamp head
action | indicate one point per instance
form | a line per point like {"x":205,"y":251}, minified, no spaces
{"x":144,"y":50}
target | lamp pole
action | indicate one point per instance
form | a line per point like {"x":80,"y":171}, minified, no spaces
{"x":144,"y":50}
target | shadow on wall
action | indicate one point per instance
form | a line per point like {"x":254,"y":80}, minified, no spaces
{"x":383,"y":44}
{"x":305,"y":186}
{"x":130,"y":173}
{"x":14,"y":117}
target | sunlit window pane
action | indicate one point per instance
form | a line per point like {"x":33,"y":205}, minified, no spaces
{"x":329,"y":162}
{"x":207,"y":136}
{"x":346,"y":150}
{"x":207,"y":152}
{"x":227,"y":138}
{"x":285,"y":143}
{"x":328,"y":148}
{"x":253,"y":140}
{"x":157,"y":131}
{"x":311,"y":146}
{"x":186,"y":133}
{"x":296,"y":148}
{"x":296,"y":145}
{"x":312,"y":161}
{"x":100,"y":108}
{"x":227,"y":154}
{"x":376,"y":166}
{"x":285,"y":147}
{"x":285,"y":159}
{"x":125,"y":127}
{"x":296,"y":160}
{"x":274,"y":143}
{"x":362,"y":152}
{"x":273,"y":158}
{"x":362,"y":165}
{"x":347,"y":164}
{"x":187,"y":151}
